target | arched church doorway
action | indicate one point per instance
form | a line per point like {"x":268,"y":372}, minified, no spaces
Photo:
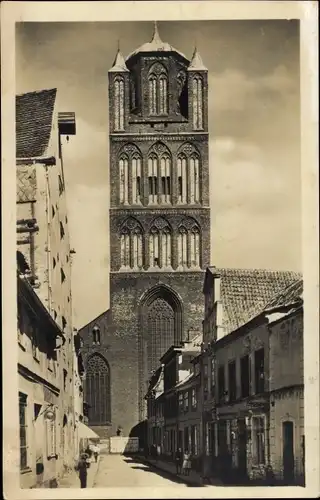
{"x":97,"y":390}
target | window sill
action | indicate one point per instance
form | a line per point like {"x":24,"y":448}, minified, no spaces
{"x":25,"y":470}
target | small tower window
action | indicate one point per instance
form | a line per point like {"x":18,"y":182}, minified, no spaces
{"x":153,"y":178}
{"x":96,"y":335}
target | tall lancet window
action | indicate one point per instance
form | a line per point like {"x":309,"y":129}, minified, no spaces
{"x":125,"y":248}
{"x":158,"y":90}
{"x":197,"y":103}
{"x":119,"y":104}
{"x":182,"y":247}
{"x":195,"y":247}
{"x":165,"y":174}
{"x":152,"y":95}
{"x":124,"y":179}
{"x":154,"y":250}
{"x":163,"y":95}
{"x":182,"y":179}
{"x":136,"y":179}
{"x":166,"y":247}
{"x":194,"y":179}
{"x":160,"y":244}
{"x":137,"y":248}
{"x":153,"y":178}
{"x":131,"y":245}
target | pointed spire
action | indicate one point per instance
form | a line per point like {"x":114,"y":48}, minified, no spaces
{"x":119,"y":62}
{"x":196,"y":63}
{"x":156,"y":37}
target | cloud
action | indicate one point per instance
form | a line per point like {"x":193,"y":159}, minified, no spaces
{"x":89,"y":228}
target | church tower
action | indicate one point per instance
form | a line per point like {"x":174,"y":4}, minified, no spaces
{"x":159,"y":218}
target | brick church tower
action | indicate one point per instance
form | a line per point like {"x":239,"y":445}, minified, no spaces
{"x":159,"y":227}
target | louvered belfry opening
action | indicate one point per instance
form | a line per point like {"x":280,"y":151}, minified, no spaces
{"x":97,"y":388}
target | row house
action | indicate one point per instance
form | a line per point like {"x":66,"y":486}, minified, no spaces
{"x":236,"y":371}
{"x":173,"y":410}
{"x":286,"y":386}
{"x":44,"y":257}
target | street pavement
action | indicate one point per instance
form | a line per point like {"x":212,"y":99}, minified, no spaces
{"x":120,"y":471}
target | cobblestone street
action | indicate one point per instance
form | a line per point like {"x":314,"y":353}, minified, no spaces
{"x":119,"y":471}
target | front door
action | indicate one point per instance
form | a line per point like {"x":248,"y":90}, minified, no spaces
{"x":288,"y":452}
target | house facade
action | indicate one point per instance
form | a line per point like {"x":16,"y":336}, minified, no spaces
{"x":44,"y":258}
{"x":159,"y":226}
{"x":174,"y":409}
{"x":235,"y":367}
{"x":285,"y":316}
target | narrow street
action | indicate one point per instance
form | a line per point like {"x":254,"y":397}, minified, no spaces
{"x":117,"y":470}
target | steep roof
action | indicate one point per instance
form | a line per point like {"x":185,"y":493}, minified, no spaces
{"x":292,"y":295}
{"x":119,"y":64}
{"x":34,"y":115}
{"x":246,"y":292}
{"x":155,"y":45}
{"x":196,"y":63}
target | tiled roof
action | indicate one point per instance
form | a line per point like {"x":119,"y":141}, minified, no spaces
{"x":34,"y":114}
{"x":246,"y":292}
{"x":291,"y":295}
{"x":26,"y":183}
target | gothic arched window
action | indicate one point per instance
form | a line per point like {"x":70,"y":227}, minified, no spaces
{"x":160,"y":244}
{"x":197,"y":102}
{"x":124,"y":178}
{"x":159,"y":174}
{"x":161,"y":325}
{"x":119,"y":104}
{"x":125,"y":248}
{"x":165,"y":178}
{"x":188,"y":169}
{"x":137,"y":248}
{"x":130,"y":174}
{"x":194,"y":178}
{"x":182,"y":247}
{"x":131,"y":245}
{"x":188,"y":244}
{"x":182,"y":178}
{"x":158,"y":90}
{"x":195,"y":247}
{"x":97,"y":388}
{"x":153,"y":178}
{"x":136,"y":179}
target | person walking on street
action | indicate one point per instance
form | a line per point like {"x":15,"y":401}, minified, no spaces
{"x":178,"y":459}
{"x":82,"y":466}
{"x":96,"y":452}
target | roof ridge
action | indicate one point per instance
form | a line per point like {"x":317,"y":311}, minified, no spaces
{"x":37,"y":91}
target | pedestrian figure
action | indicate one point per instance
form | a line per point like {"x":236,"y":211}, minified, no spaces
{"x":82,"y":467}
{"x":178,"y":459}
{"x":96,"y":452}
{"x":186,"y":465}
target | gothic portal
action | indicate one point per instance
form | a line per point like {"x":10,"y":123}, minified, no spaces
{"x":159,"y":218}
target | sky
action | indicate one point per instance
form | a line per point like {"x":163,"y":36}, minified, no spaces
{"x":254,"y":127}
